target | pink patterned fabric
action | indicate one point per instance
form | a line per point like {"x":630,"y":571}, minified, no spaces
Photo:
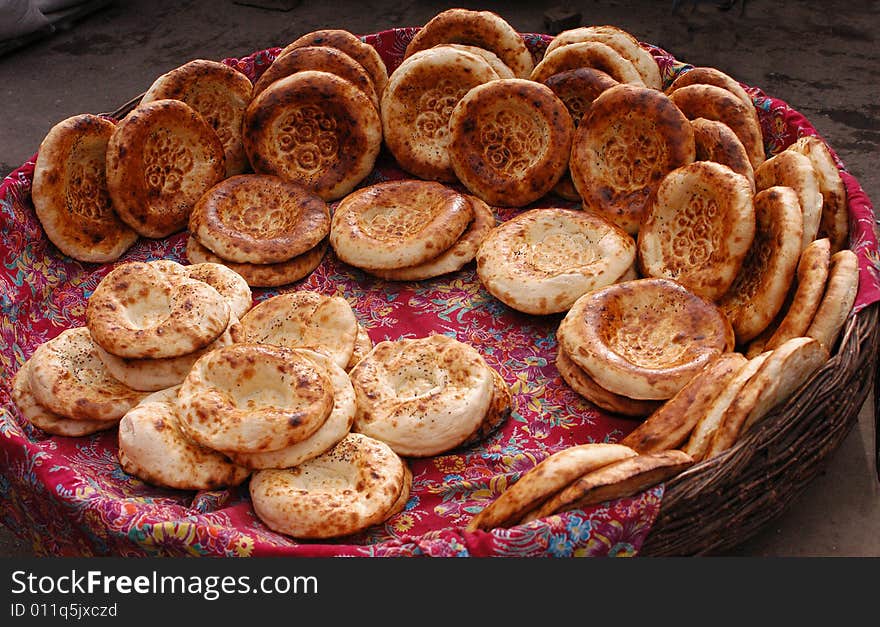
{"x":69,"y":496}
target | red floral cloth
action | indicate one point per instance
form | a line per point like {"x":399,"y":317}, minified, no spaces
{"x":69,"y":496}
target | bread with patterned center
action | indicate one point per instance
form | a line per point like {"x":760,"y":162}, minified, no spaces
{"x":542,"y":260}
{"x":417,"y":104}
{"x":324,"y":59}
{"x":510,"y":141}
{"x":644,"y":339}
{"x":70,"y":192}
{"x":257,"y":218}
{"x":160,"y":160}
{"x":699,"y":228}
{"x":351,"y":487}
{"x":398,"y":224}
{"x":219,"y":93}
{"x":760,"y":288}
{"x":628,"y":141}
{"x":315,"y":129}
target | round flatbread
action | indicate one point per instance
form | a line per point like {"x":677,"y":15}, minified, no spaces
{"x":350,"y":44}
{"x":630,"y":139}
{"x":334,"y":429}
{"x":151,"y":375}
{"x":542,"y":260}
{"x":838,"y":300}
{"x":705,"y":75}
{"x":456,"y":256}
{"x":315,"y":129}
{"x":578,"y":88}
{"x":160,"y":160}
{"x":834,"y":223}
{"x":699,"y":228}
{"x":154,"y":449}
{"x":620,"y":335}
{"x":714,"y":141}
{"x":45,"y":419}
{"x":550,"y":475}
{"x":253,"y":398}
{"x":141,"y":310}
{"x":398,"y":224}
{"x":422,"y":396}
{"x":485,"y":29}
{"x":418,"y":101}
{"x":219,"y":93}
{"x":592,"y":54}
{"x":351,"y":487}
{"x":70,"y":194}
{"x":618,"y":39}
{"x":324,"y":59}
{"x":67,"y":377}
{"x":262,"y":274}
{"x":584,"y":385}
{"x":794,"y":170}
{"x":759,"y":291}
{"x":304,"y":319}
{"x":702,"y":100}
{"x":510,"y":141}
{"x":257,"y":218}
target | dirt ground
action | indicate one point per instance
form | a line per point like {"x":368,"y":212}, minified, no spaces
{"x":820,"y":57}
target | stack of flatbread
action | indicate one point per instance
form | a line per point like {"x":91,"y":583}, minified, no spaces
{"x":409,"y":230}
{"x":270,"y":231}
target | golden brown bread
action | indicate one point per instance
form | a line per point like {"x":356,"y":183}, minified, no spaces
{"x":592,"y":54}
{"x":630,"y":139}
{"x":699,"y":228}
{"x":485,"y":29}
{"x":398,"y":224}
{"x":350,"y":44}
{"x":140,"y":310}
{"x":621,"y":41}
{"x":644,"y":339}
{"x":542,"y":260}
{"x":714,"y":141}
{"x":323,"y":58}
{"x":759,"y":291}
{"x":253,"y":398}
{"x":258,"y":218}
{"x":838,"y":300}
{"x":354,"y":485}
{"x":315,"y":129}
{"x":160,"y":160}
{"x":510,"y":141}
{"x":418,"y":101}
{"x":70,"y":192}
{"x":262,"y":274}
{"x":794,"y":170}
{"x":219,"y":93}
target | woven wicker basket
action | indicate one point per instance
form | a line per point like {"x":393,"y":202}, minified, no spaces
{"x":720,"y":503}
